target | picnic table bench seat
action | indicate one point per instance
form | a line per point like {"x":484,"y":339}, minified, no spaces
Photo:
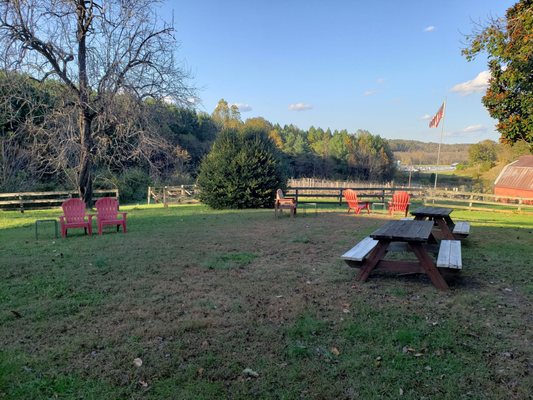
{"x":450,"y":255}
{"x":461,"y":229}
{"x":358,"y":253}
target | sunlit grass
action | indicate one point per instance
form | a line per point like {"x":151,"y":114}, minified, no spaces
{"x":202,"y":295}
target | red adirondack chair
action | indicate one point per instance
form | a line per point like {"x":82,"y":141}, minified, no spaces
{"x":283,"y":202}
{"x":74,"y":216}
{"x":399,"y":202}
{"x":107,"y":214}
{"x":350,"y":196}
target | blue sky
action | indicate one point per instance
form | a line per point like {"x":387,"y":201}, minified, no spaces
{"x":383,"y":66}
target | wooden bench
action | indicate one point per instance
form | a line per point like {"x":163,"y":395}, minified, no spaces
{"x":450,"y":255}
{"x":461,"y":229}
{"x":357,"y":254}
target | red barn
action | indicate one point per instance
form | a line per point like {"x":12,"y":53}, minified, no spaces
{"x":516,"y":179}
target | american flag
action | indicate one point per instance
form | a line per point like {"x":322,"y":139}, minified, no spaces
{"x":436,"y":119}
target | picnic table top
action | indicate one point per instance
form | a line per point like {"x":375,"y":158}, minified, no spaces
{"x":404,"y":231}
{"x":428,"y":211}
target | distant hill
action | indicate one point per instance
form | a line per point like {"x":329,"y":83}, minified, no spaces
{"x":414,"y":152}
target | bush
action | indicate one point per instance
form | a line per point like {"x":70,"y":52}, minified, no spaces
{"x":243,"y":170}
{"x":131,"y":184}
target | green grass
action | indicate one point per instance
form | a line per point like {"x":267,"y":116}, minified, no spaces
{"x":201,"y":295}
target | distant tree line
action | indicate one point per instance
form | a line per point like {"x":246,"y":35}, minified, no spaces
{"x":136,"y":145}
{"x":414,"y":152}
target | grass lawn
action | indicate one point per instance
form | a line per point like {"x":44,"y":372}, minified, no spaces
{"x":240,"y":305}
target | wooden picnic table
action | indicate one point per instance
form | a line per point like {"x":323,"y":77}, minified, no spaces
{"x":441,"y":218}
{"x":416,"y":234}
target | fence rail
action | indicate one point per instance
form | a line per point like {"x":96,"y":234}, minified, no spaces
{"x":478,"y":201}
{"x":171,"y":194}
{"x":308,"y":194}
{"x":36,"y":200}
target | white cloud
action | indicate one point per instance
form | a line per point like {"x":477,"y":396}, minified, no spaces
{"x":243,"y":107}
{"x":469,"y":130}
{"x":425,"y":116}
{"x":474,"y":129}
{"x":478,"y":84}
{"x":300,"y":107}
{"x":380,"y":80}
{"x":369,"y":93}
{"x":169,"y":100}
{"x":430,"y":28}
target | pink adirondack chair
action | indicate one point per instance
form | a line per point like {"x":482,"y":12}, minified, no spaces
{"x":399,"y":202}
{"x":107,"y":214}
{"x":75,"y":216}
{"x":283,"y":202}
{"x":350,"y":196}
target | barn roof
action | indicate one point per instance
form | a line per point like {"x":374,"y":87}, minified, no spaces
{"x":517,"y":175}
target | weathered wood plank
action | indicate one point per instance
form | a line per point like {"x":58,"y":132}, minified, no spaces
{"x":461,"y":228}
{"x":360,"y":250}
{"x":411,"y":230}
{"x":450,"y":254}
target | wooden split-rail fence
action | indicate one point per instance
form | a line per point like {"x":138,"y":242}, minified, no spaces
{"x":171,"y":194}
{"x":37,"y":200}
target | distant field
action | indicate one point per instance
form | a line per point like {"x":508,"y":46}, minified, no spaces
{"x":240,"y":305}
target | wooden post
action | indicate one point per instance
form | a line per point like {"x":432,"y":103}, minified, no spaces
{"x":165,"y":204}
{"x":21,"y":204}
{"x":148,"y":196}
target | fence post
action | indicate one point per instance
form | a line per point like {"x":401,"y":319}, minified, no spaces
{"x":165,"y":204}
{"x":340,"y":197}
{"x":296,"y":195}
{"x":21,"y":204}
{"x":148,"y":196}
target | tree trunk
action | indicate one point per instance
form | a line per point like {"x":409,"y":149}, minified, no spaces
{"x":85,"y":177}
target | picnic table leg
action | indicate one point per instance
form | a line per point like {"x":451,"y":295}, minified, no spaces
{"x":370,"y":263}
{"x":429,"y":266}
{"x":445,"y":229}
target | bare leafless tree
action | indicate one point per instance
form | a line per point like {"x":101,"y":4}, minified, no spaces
{"x":103,"y":51}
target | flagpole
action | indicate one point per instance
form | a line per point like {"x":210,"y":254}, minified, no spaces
{"x":440,"y":143}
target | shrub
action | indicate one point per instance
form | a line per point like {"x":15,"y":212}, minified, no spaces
{"x":131,"y":183}
{"x":243,"y":170}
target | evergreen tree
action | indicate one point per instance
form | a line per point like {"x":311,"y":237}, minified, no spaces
{"x":243,"y":170}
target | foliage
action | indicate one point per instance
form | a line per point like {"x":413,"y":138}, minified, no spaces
{"x":484,"y":152}
{"x":509,"y":45}
{"x":105,"y":54}
{"x":131,"y":184}
{"x":243,"y":170}
{"x":226,"y":116}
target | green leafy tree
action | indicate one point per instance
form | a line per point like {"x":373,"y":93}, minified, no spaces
{"x":509,"y":44}
{"x":227,"y":116}
{"x":485,"y":152}
{"x":243,"y":170}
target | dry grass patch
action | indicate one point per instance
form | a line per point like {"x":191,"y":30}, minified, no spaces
{"x":200,"y":296}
